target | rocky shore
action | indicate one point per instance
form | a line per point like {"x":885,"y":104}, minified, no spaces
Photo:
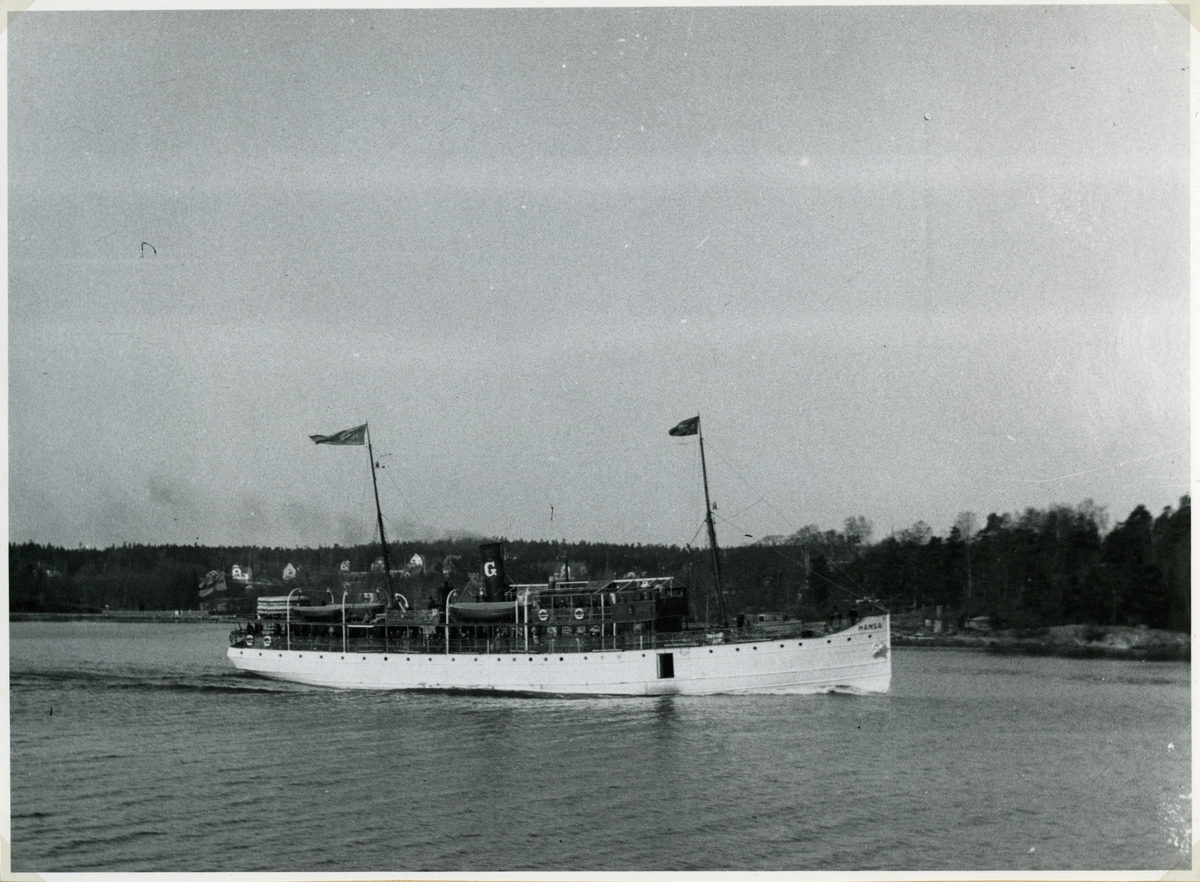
{"x":1066,"y":641}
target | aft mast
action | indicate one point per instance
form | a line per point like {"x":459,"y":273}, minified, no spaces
{"x":387,"y":567}
{"x":358,"y":436}
{"x":692,"y":427}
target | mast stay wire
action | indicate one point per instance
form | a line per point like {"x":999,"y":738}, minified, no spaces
{"x":754,"y":490}
{"x":696,"y":473}
{"x":358,"y":521}
{"x":856,"y":591}
{"x":395,"y":485}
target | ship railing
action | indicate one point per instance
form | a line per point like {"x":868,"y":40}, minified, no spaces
{"x":432,"y":641}
{"x":358,"y":644}
{"x":436,"y":644}
{"x":546,"y":645}
{"x":786,"y":630}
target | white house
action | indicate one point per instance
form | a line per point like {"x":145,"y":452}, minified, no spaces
{"x":289,"y":573}
{"x":239,"y":575}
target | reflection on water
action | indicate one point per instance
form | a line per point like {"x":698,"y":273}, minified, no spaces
{"x":158,"y":756}
{"x":665,"y":717}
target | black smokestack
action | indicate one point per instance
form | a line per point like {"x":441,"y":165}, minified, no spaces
{"x":494,"y":581}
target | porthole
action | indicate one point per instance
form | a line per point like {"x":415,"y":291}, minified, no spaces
{"x":560,"y":658}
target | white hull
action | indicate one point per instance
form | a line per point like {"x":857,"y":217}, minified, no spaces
{"x":857,"y":659}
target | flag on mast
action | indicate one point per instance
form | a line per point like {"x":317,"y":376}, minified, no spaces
{"x":357,"y":435}
{"x":687,"y":427}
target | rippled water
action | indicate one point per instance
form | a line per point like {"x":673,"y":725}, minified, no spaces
{"x":136,"y":747}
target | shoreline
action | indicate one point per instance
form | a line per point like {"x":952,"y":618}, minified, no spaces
{"x":186,"y":617}
{"x":1063,"y":641}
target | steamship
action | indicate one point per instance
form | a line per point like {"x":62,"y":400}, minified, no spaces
{"x":606,"y":637}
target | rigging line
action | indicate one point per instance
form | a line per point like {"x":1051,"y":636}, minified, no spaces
{"x":357,"y":521}
{"x":762,"y":497}
{"x":408,"y":505}
{"x":727,"y":521}
{"x":577,"y":456}
{"x":857,"y":589}
{"x":811,"y":573}
{"x":744,"y":509}
{"x":695,"y":470}
{"x":1120,"y":464}
{"x":832,"y":565}
{"x":366,"y":525}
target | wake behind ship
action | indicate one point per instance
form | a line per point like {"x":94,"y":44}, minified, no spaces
{"x":608,"y":637}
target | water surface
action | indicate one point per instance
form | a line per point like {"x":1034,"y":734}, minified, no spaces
{"x":138,"y":748}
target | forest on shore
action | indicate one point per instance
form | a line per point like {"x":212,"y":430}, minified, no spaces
{"x":1038,"y":568}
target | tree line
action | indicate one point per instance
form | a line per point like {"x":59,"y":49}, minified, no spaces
{"x":1060,"y":565}
{"x":1030,"y":569}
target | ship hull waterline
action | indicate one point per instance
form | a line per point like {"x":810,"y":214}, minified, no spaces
{"x":855,"y":660}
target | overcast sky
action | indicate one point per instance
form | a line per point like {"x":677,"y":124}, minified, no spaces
{"x":904,"y":261}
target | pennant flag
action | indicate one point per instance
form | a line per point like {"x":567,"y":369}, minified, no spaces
{"x":357,"y":435}
{"x":687,"y":427}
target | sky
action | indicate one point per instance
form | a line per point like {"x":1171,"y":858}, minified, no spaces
{"x":905,"y":262}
